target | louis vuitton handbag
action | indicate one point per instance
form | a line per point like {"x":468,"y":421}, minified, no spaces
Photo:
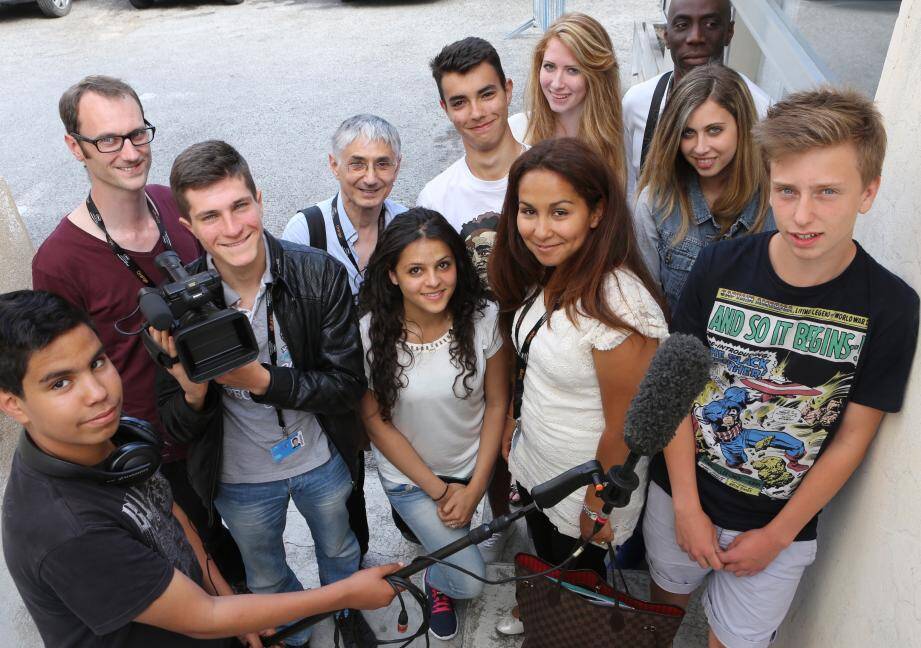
{"x":578,"y":608}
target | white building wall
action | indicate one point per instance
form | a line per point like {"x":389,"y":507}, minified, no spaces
{"x":865,"y":588}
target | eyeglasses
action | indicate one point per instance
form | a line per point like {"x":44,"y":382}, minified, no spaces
{"x":380,"y":166}
{"x":115,"y":143}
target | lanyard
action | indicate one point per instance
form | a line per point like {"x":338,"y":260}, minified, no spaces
{"x":273,"y":348}
{"x":118,"y":250}
{"x":521,"y":354}
{"x":337,"y":225}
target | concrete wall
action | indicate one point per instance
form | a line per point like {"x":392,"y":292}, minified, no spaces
{"x":865,"y":587}
{"x":16,"y":625}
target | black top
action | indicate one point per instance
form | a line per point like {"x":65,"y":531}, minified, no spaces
{"x":787,"y":361}
{"x":88,"y":558}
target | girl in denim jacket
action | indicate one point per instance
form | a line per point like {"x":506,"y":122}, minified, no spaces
{"x":704,"y":179}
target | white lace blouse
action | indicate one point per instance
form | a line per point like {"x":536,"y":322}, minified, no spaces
{"x":561,"y":415}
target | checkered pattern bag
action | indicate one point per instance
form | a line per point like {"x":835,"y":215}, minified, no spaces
{"x":554,"y":616}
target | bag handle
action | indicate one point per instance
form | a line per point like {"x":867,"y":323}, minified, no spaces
{"x":613,"y":560}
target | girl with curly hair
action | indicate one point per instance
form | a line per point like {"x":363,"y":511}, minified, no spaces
{"x":438,"y":392}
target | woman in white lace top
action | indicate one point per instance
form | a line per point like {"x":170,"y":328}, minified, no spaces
{"x":580,"y":308}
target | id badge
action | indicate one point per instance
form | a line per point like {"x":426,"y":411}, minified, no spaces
{"x":287,"y":446}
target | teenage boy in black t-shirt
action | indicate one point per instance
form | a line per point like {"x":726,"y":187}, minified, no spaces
{"x":812,"y":342}
{"x":112,"y":564}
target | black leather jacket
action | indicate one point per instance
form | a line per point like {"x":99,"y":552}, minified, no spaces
{"x":313,"y":305}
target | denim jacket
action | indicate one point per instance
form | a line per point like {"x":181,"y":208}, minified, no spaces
{"x":670,"y":262}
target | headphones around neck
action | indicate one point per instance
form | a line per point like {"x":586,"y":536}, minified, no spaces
{"x":136,"y":457}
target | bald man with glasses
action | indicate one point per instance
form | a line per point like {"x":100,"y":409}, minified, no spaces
{"x":103,"y":252}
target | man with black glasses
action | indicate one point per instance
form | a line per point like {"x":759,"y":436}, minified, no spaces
{"x":103,"y":252}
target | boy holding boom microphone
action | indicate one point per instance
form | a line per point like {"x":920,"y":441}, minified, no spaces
{"x":99,"y":558}
{"x":812,"y":341}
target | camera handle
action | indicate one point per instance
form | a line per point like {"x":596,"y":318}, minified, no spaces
{"x":158,"y":353}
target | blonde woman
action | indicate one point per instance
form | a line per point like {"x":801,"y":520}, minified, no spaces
{"x":574,"y":90}
{"x":704,"y":178}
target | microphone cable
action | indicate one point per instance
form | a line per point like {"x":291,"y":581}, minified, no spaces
{"x":397,"y":582}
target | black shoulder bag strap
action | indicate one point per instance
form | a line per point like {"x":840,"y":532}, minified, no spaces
{"x":315,"y":227}
{"x":652,"y":119}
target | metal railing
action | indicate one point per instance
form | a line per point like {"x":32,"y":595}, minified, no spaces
{"x":545,"y":12}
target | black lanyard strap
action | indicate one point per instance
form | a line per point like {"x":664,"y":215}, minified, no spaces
{"x":273,"y":347}
{"x":340,"y":234}
{"x":121,"y":252}
{"x":521,"y":353}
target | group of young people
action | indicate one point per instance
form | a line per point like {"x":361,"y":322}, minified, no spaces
{"x":483,"y":342}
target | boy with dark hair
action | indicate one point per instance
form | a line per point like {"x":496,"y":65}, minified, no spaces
{"x":462,"y":56}
{"x":812,"y":341}
{"x":284,"y":426}
{"x":98,"y":550}
{"x":475,"y":95}
{"x":103,"y":252}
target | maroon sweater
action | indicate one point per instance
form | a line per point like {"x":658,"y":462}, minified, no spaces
{"x":86,"y":272}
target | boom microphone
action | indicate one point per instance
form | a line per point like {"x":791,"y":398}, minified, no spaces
{"x":677,"y":374}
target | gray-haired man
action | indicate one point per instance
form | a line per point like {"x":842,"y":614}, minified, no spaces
{"x":365,"y":158}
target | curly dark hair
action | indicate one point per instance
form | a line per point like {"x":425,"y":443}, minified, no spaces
{"x":384,"y":301}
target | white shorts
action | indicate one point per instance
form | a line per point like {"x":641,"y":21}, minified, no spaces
{"x":743,"y":612}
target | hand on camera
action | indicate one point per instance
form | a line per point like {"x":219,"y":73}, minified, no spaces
{"x":367,"y":589}
{"x":194,"y":392}
{"x":252,"y":377}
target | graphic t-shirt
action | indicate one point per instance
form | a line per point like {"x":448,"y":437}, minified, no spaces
{"x":88,"y":558}
{"x":787,"y":361}
{"x":470,"y":204}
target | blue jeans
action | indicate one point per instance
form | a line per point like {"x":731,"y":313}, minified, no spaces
{"x":256,"y":515}
{"x":421,"y":514}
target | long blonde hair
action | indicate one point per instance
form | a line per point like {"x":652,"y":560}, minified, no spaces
{"x":601,"y":124}
{"x":667,"y":173}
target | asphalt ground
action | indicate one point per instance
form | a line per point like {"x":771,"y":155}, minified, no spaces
{"x":272,"y":77}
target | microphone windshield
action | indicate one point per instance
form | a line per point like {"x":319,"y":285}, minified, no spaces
{"x":676,"y":376}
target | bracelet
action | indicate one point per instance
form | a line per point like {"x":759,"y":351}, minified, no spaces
{"x":442,"y":496}
{"x":591,"y":515}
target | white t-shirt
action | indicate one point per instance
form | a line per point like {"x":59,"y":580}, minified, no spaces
{"x":562,"y":419}
{"x":461,"y":197}
{"x":431,"y":411}
{"x":636,"y":105}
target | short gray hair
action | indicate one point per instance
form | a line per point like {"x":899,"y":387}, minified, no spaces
{"x":369,"y":127}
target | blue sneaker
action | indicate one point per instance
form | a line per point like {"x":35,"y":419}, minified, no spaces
{"x":442,"y":618}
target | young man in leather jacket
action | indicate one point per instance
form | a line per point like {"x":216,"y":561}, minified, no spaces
{"x":285,"y":425}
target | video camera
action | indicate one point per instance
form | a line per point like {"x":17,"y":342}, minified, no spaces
{"x":209,"y":341}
